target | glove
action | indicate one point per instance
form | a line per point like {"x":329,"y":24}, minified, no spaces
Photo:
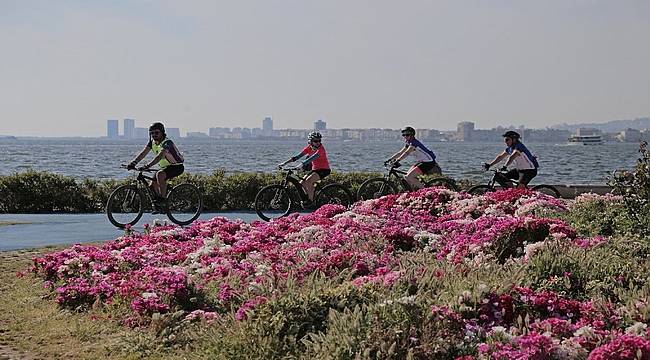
{"x":504,"y":168}
{"x":486,"y":166}
{"x":396,"y":164}
{"x":387,"y":162}
{"x":130,"y":166}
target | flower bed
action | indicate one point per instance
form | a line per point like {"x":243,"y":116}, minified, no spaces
{"x":219,"y":267}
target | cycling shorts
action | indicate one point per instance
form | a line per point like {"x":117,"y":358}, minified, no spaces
{"x":322,"y":173}
{"x":173,"y":170}
{"x":429,"y":167}
{"x":523,"y":176}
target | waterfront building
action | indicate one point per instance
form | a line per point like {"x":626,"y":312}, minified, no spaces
{"x":465,"y":130}
{"x":630,"y":135}
{"x":141,"y":133}
{"x":196,"y":135}
{"x":112,"y":129}
{"x":320,"y":125}
{"x":267,"y":126}
{"x":129,"y":128}
{"x":172,"y":132}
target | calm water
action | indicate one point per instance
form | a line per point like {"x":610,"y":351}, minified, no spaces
{"x":94,"y":158}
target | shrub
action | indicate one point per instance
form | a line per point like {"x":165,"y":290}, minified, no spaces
{"x":635,"y":187}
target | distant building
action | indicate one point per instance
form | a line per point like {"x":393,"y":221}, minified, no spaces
{"x":112,"y":129}
{"x":141,"y":133}
{"x":129,"y":128}
{"x":630,"y":135}
{"x":257,"y":132}
{"x":465,"y":130}
{"x":267,"y":126}
{"x":219,"y":132}
{"x":587,"y":131}
{"x":196,"y":134}
{"x":320,"y":125}
{"x":173,"y":132}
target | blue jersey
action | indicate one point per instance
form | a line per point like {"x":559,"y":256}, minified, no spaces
{"x":526,"y":160}
{"x":421,"y":153}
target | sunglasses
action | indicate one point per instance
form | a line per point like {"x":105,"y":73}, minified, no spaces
{"x":315,"y":141}
{"x":155,"y":132}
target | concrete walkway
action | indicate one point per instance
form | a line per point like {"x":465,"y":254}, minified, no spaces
{"x":37,"y":230}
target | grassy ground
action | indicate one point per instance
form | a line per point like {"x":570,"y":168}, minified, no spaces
{"x":33,"y":327}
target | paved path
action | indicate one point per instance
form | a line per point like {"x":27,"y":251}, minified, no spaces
{"x":37,"y":230}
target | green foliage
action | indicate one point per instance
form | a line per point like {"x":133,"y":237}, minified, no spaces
{"x":599,"y":216}
{"x":635,"y":187}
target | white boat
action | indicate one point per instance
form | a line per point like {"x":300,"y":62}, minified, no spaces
{"x":586,"y":140}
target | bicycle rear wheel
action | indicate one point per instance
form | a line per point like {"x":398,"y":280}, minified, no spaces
{"x":272,"y":202}
{"x":444,"y":182}
{"x":125,"y":206}
{"x":375,"y":188}
{"x":334,"y":194}
{"x":548,"y":190}
{"x":184,"y":204}
{"x":480,"y":189}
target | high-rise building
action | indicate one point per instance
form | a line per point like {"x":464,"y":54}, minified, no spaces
{"x":112,"y":129}
{"x":129,"y":128}
{"x":320,"y":125}
{"x":465,"y":130}
{"x":267,"y":126}
{"x":173,"y":132}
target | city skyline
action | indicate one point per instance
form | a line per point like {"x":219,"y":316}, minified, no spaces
{"x":430,"y":64}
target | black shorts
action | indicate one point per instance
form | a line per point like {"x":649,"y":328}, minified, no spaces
{"x":523,"y":176}
{"x":173,"y":171}
{"x":429,"y":167}
{"x":321,"y":173}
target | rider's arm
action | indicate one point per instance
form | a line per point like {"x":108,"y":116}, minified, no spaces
{"x":404,"y":152}
{"x":293,"y":158}
{"x":498,"y":158}
{"x":311,"y":158}
{"x":512,"y":157}
{"x":141,"y":155}
{"x":156,"y":159}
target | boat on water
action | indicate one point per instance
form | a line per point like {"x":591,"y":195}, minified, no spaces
{"x":585,"y":140}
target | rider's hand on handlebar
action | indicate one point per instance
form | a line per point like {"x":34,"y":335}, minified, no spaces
{"x":504,"y":168}
{"x":388,"y":162}
{"x":486,"y":166}
{"x":130,"y":166}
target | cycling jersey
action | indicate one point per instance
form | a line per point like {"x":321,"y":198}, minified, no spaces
{"x":525,"y":160}
{"x":171,"y":157}
{"x":316,"y":157}
{"x":421,"y":153}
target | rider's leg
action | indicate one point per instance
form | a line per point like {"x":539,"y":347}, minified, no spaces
{"x":308,"y":184}
{"x":525,"y":176}
{"x":161,"y":183}
{"x":504,"y":179}
{"x":412,"y":178}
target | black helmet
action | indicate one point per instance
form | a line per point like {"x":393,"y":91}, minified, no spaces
{"x":314,"y":135}
{"x":512,"y":134}
{"x":157,"y":126}
{"x":408,"y":131}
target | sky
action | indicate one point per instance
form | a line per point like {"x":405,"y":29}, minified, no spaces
{"x":67,"y":66}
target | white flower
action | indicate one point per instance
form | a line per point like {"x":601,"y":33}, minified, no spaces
{"x":148,"y":295}
{"x":638,"y":328}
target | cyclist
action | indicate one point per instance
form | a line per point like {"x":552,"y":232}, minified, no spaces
{"x":317,"y":158}
{"x":426,"y":159}
{"x":525,"y":164}
{"x":168,"y":158}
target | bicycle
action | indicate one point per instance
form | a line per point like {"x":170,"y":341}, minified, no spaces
{"x":275,"y":201}
{"x":126,"y":204}
{"x":499,"y":174}
{"x":380,"y":186}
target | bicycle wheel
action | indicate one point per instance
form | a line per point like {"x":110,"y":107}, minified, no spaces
{"x":184,"y":204}
{"x":334,"y":194}
{"x":375,"y":188}
{"x":272,"y":202}
{"x":125,"y":206}
{"x":480,"y":189}
{"x":548,"y":190}
{"x":444,"y":182}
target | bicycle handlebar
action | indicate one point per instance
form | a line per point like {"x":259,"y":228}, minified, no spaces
{"x":125,"y":166}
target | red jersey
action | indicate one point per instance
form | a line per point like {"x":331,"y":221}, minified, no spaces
{"x":321,"y":160}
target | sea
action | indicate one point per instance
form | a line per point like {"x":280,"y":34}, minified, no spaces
{"x":99,"y":158}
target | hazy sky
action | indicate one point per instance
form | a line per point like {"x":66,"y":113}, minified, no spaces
{"x":67,"y":66}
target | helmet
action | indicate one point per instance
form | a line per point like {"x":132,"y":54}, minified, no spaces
{"x":408,"y":131}
{"x":314,"y":135}
{"x":511,"y":134}
{"x":157,"y":126}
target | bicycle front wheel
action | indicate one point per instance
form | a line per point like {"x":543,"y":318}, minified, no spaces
{"x":444,"y":182}
{"x":125,"y":206}
{"x":272,"y":202}
{"x":334,"y":194}
{"x":375,"y":188}
{"x":184,"y":204}
{"x":548,"y":190}
{"x":480,"y":189}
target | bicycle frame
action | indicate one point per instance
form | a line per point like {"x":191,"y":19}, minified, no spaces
{"x":394,"y":173}
{"x":511,"y":182}
{"x":291,"y":177}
